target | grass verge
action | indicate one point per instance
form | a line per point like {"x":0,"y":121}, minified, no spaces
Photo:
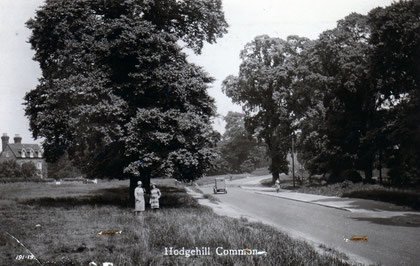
{"x":62,"y":229}
{"x":398,"y":196}
{"x":402,"y":197}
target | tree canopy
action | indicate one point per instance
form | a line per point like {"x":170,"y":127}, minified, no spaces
{"x":117,"y":92}
{"x":264,"y":88}
{"x":351,"y":96}
{"x":396,"y":74}
{"x":370,"y":97}
{"x":347,"y":101}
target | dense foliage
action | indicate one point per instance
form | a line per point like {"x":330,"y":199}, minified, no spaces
{"x":396,"y":74}
{"x":63,"y":168}
{"x":346,"y":96}
{"x":11,"y":169}
{"x":239,"y":152}
{"x":352,"y":95}
{"x":264,"y":87}
{"x":116,"y":85}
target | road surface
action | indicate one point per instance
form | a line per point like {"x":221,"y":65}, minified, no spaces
{"x":393,"y":240}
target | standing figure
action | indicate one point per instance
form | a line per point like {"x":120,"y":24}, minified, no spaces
{"x":139,"y":195}
{"x":154,"y":197}
{"x":277,"y":185}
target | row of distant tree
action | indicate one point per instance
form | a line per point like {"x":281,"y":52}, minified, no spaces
{"x":350,"y":99}
{"x":238,"y":151}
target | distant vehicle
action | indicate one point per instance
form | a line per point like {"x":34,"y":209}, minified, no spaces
{"x":219,"y":185}
{"x":90,"y":181}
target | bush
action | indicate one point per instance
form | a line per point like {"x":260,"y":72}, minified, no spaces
{"x":63,"y":168}
{"x":349,"y":175}
{"x":11,"y":169}
{"x":247,"y":166}
{"x":29,"y":170}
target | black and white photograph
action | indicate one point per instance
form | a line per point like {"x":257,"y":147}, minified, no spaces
{"x":210,"y":132}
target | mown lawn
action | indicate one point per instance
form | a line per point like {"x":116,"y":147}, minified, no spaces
{"x":70,"y":216}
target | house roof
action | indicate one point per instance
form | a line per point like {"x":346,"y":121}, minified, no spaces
{"x":18,"y":147}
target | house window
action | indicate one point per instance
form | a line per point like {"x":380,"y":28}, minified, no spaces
{"x":39,"y":154}
{"x":31,"y":153}
{"x":23,"y":153}
{"x":7,"y":154}
{"x":39,"y":166}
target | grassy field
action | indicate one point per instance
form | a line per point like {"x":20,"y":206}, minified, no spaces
{"x":59,"y":224}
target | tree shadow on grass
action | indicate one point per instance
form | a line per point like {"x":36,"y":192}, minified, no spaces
{"x":176,"y":197}
{"x":105,"y":199}
{"x":409,"y":199}
{"x":172,"y":197}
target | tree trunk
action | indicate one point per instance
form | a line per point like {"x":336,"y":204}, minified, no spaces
{"x":380,"y":166}
{"x":145,"y":179}
{"x":293,"y":161}
{"x":275,"y":169}
{"x":276,"y":175}
{"x":368,"y":174}
{"x":368,"y":167}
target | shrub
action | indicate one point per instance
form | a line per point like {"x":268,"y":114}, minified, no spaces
{"x":63,"y":168}
{"x":11,"y":169}
{"x":247,"y":166}
{"x":349,"y":175}
{"x":28,"y":170}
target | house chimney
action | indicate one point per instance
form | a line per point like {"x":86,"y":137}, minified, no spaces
{"x":4,"y":141}
{"x":17,"y":139}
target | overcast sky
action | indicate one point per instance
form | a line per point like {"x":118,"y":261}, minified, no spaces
{"x":246,"y":18}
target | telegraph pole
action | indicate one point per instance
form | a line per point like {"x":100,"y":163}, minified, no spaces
{"x":293,"y":160}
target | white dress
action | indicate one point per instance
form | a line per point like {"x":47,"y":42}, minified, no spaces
{"x":139,"y":195}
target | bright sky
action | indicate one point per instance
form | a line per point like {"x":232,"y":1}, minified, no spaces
{"x":247,"y":19}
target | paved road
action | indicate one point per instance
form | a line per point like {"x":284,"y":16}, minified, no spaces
{"x":391,"y":240}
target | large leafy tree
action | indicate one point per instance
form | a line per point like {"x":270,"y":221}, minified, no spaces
{"x":360,"y":95}
{"x":348,"y":96}
{"x":312,"y":142}
{"x":396,"y":74}
{"x":116,"y":85}
{"x":264,"y":88}
{"x":309,"y":88}
{"x":336,"y":101}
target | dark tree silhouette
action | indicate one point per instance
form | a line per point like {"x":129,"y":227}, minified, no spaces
{"x":117,"y":92}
